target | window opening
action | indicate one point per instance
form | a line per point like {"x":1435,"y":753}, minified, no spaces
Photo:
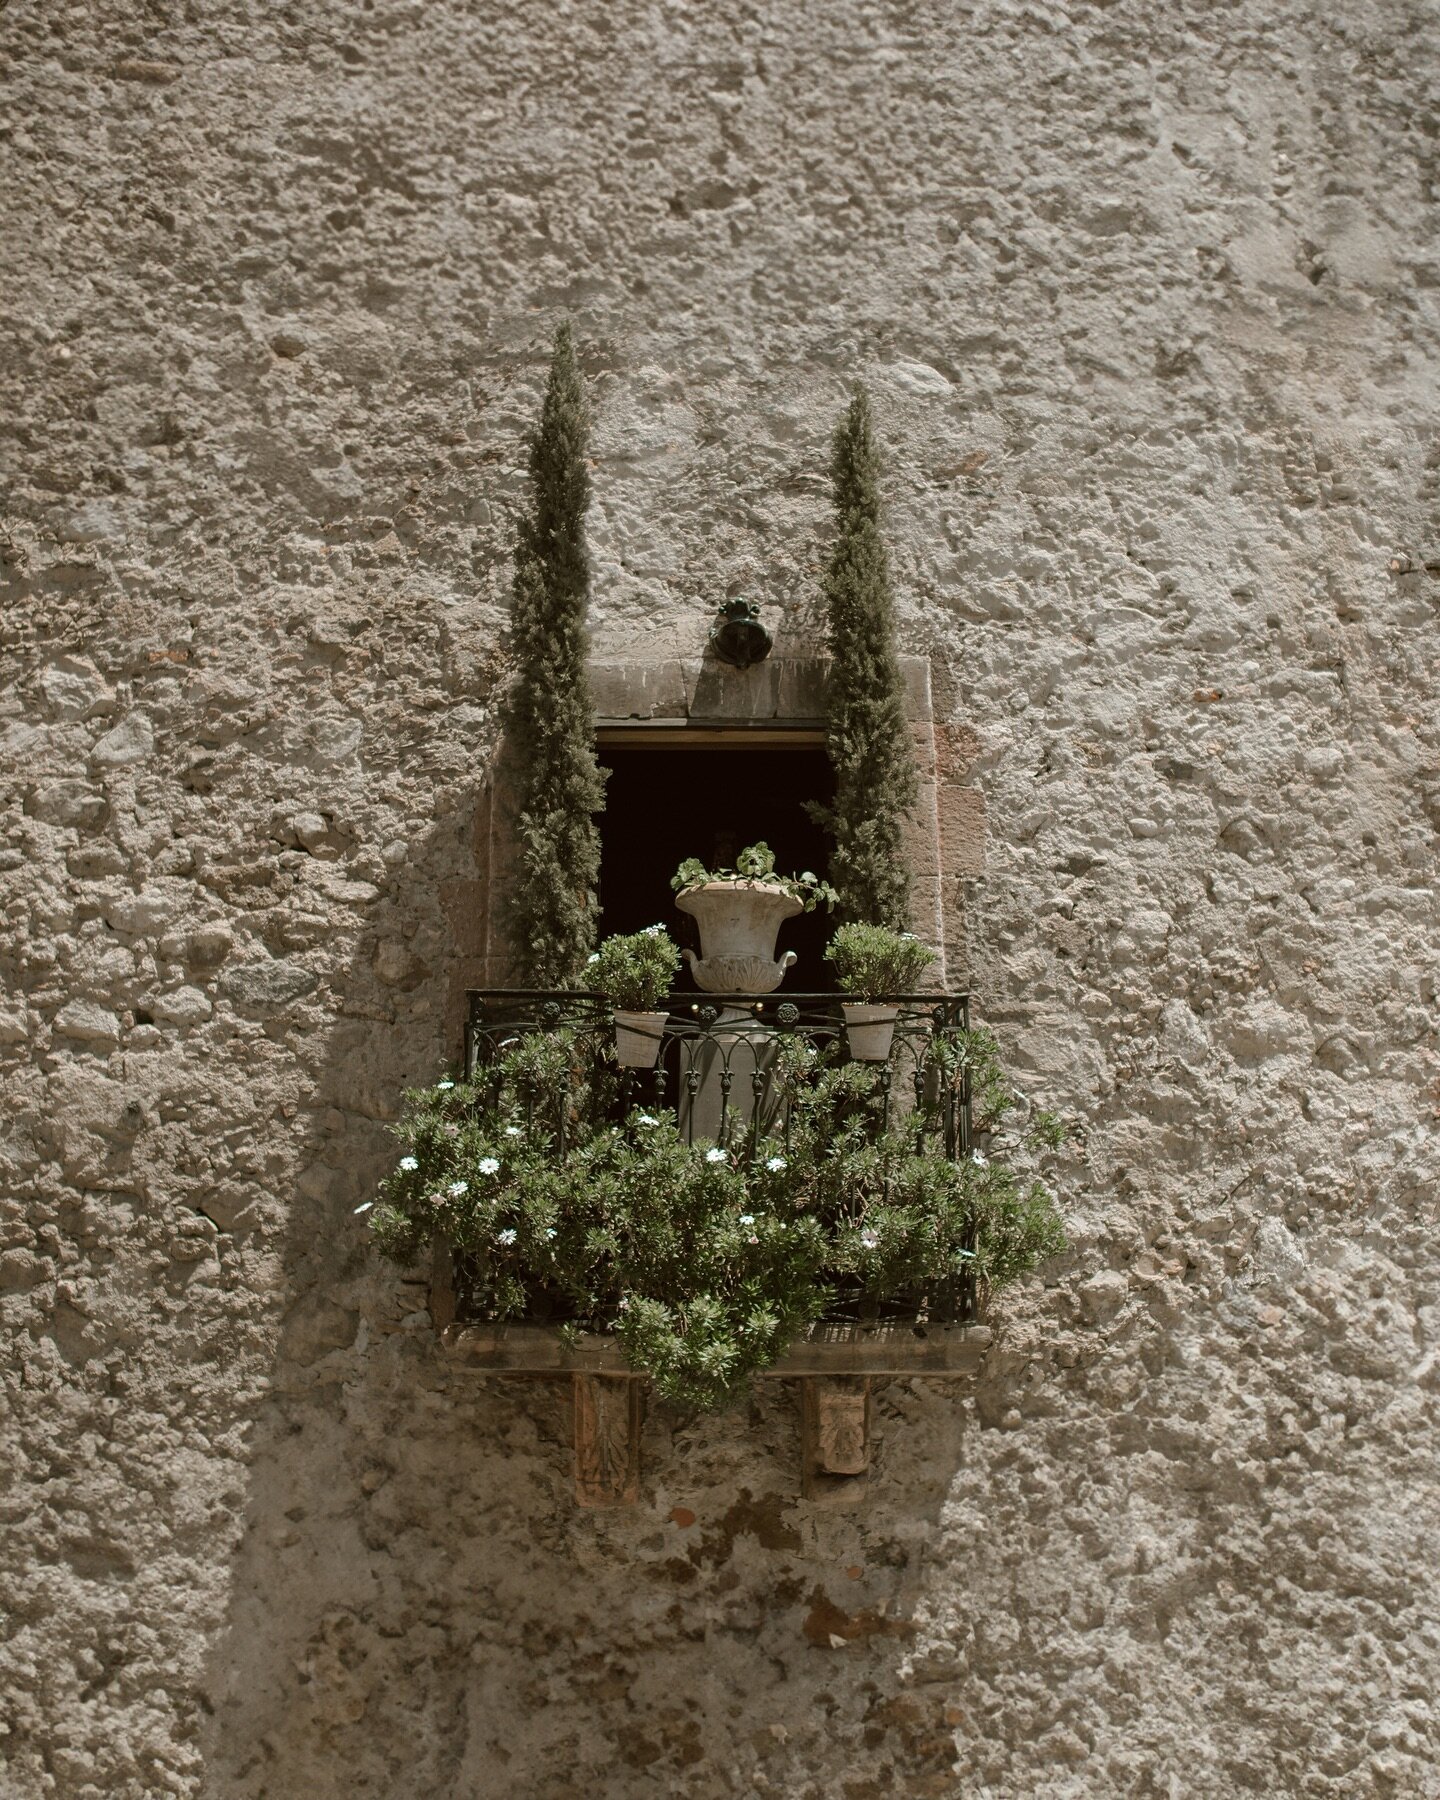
{"x":668,"y":798}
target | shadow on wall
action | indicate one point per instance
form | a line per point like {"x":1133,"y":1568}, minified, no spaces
{"x":418,"y":1605}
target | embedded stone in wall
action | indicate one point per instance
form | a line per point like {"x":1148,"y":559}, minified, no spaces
{"x":266,"y":986}
{"x":131,"y":741}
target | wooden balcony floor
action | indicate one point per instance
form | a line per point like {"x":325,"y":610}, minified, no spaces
{"x":830,"y":1349}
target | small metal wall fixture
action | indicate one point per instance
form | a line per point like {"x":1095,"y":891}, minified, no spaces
{"x":737,"y":637}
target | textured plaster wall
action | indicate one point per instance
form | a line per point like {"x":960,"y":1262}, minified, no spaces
{"x":1146,"y":298}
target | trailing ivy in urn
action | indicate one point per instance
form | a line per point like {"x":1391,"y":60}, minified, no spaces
{"x":868,"y":737}
{"x":549,"y":718}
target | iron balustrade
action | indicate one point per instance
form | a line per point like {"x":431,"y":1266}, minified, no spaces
{"x":715,"y":1068}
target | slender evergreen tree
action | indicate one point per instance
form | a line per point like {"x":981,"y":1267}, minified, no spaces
{"x":549,"y":718}
{"x":868,"y":735}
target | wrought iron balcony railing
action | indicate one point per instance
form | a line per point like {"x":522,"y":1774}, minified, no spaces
{"x":716,"y":1068}
{"x":716,"y":1052}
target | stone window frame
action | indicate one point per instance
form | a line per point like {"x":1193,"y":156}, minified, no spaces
{"x":637,"y":700}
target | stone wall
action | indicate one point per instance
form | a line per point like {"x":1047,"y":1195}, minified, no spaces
{"x":1146,"y":300}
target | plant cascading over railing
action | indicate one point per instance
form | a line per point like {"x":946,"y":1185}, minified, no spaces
{"x":707,"y":1258}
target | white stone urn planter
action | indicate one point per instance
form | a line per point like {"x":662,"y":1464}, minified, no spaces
{"x":739,"y":921}
{"x":638,"y":1036}
{"x":869,"y":1030}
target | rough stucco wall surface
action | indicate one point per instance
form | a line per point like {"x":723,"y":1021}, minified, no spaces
{"x":1146,"y":299}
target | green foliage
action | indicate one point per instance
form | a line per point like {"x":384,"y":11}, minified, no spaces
{"x":991,"y":1096}
{"x":756,"y":865}
{"x":1017,"y":1228}
{"x":871,"y":960}
{"x":705,"y":1259}
{"x":868,"y":736}
{"x":549,"y":717}
{"x":634,"y":971}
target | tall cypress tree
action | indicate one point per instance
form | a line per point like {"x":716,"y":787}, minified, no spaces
{"x":868,"y":736}
{"x":549,"y":717}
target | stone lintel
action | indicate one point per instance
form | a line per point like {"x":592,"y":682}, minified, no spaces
{"x":786,"y":688}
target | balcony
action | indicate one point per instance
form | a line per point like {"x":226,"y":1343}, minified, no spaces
{"x":716,"y":1069}
{"x":725,"y":1066}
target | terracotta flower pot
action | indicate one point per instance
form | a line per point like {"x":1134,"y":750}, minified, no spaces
{"x":739,"y":922}
{"x":638,"y":1037}
{"x":869,"y":1029}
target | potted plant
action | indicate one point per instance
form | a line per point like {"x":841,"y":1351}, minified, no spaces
{"x":633,"y":972}
{"x":869,"y":961}
{"x":739,"y":912}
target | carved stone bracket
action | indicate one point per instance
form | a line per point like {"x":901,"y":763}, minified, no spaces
{"x":835,"y":1439}
{"x":609,"y":1414}
{"x":835,"y":1367}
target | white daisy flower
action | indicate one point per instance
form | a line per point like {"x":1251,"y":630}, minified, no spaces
{"x":408,"y":1162}
{"x":488,"y":1165}
{"x":775,"y":1164}
{"x":593,"y":957}
{"x":457,"y":1188}
{"x":715,"y":1155}
{"x":366,"y":1207}
{"x":747,"y":1218}
{"x":550,"y":1232}
{"x":513,"y":1131}
{"x":646,"y":1119}
{"x":445,"y":1084}
{"x":505,"y":1237}
{"x":983,"y":1161}
{"x":869,"y":1239}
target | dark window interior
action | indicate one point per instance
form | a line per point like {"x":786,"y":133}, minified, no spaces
{"x":667,"y":802}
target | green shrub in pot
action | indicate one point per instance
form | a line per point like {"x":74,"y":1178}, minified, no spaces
{"x":634,"y":971}
{"x":871,"y":960}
